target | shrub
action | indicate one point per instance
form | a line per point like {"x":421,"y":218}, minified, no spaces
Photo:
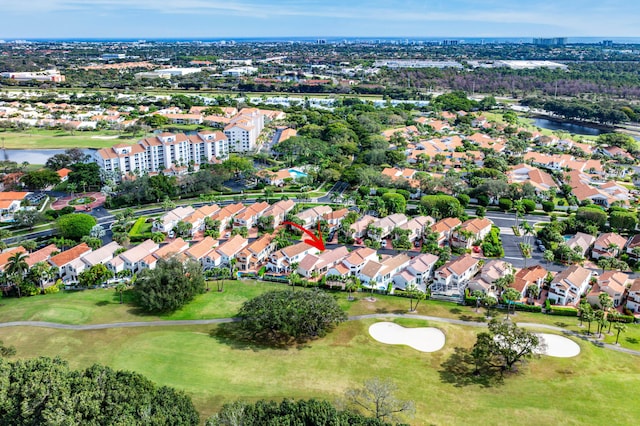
{"x":464,"y":199}
{"x":621,"y":318}
{"x":527,"y":308}
{"x":548,"y":206}
{"x":564,"y":311}
{"x":505,"y":204}
{"x":547,"y":305}
{"x":483,"y":200}
{"x":529,"y":205}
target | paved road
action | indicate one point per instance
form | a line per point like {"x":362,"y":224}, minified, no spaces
{"x":45,"y":324}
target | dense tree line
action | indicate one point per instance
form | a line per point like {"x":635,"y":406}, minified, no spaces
{"x":575,"y":109}
{"x":290,"y":412}
{"x":45,"y":391}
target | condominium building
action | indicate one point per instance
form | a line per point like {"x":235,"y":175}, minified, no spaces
{"x":162,"y":152}
{"x":243,"y":129}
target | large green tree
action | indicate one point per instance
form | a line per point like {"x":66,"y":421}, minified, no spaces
{"x":169,"y":286}
{"x":75,"y":226}
{"x":289,"y":316}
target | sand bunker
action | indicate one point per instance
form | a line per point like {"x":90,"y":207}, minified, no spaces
{"x":558,"y":346}
{"x":423,"y":339}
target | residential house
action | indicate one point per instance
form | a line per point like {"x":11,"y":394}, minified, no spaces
{"x":101,"y":255}
{"x":451,"y":278}
{"x":443,"y":228}
{"x":539,"y":179}
{"x":310,"y":217}
{"x":417,"y":272}
{"x":248,"y":217}
{"x":581,"y":242}
{"x":197,"y":218}
{"x":6,"y":255}
{"x":283,"y":259}
{"x":470,"y":231}
{"x":201,"y":249}
{"x":614,"y":283}
{"x":633,"y":243}
{"x":569,"y":285}
{"x":226,"y":214}
{"x":318,"y":264}
{"x":489,"y":274}
{"x":608,"y":245}
{"x":356,"y":260}
{"x":531,"y":275}
{"x":171,"y":249}
{"x":416,"y":226}
{"x":168,"y":221}
{"x":334,"y":219}
{"x":359,"y":228}
{"x":255,"y":254}
{"x":68,"y":262}
{"x":10,"y":203}
{"x":41,"y":255}
{"x":230,"y":248}
{"x":378,"y":275}
{"x":64,"y":174}
{"x":132,"y":259}
{"x":633,"y":297}
{"x":279,"y":211}
{"x":381,"y":228}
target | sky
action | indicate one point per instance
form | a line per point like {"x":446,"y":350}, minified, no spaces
{"x":27,"y":19}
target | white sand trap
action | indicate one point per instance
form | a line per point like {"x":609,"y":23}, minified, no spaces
{"x":558,"y":346}
{"x":105,"y":137}
{"x":423,"y":339}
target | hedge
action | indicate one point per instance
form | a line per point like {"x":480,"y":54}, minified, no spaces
{"x":621,"y":318}
{"x":141,"y":230}
{"x":527,"y":308}
{"x":565,"y":312}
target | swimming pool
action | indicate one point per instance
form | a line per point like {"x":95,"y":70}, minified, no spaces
{"x":297,"y":174}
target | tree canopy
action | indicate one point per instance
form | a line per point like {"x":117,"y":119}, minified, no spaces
{"x":75,"y":226}
{"x":169,"y":286}
{"x":290,"y":412}
{"x":46,"y":391}
{"x":289,"y":316}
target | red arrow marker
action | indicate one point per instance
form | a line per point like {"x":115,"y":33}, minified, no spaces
{"x":315,"y":241}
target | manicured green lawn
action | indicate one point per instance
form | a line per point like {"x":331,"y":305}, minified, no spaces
{"x":103,"y":305}
{"x":51,"y":139}
{"x":597,"y":387}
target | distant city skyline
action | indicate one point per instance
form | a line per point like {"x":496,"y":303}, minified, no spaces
{"x":119,"y":19}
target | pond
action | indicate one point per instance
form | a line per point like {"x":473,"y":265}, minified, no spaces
{"x":577,"y":129}
{"x":33,"y":156}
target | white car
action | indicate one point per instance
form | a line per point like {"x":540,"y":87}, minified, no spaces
{"x":383,"y":244}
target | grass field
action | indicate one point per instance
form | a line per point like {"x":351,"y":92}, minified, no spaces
{"x":54,"y":139}
{"x":214,"y":370}
{"x":103,"y":306}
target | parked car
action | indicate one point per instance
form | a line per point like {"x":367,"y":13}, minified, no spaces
{"x":542,"y":248}
{"x":383,"y":244}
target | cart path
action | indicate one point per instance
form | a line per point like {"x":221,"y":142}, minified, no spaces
{"x":167,"y":323}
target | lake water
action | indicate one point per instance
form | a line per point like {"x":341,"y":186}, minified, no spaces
{"x":576,"y":129}
{"x":33,"y":156}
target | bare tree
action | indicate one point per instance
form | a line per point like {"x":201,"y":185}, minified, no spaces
{"x":377,"y":397}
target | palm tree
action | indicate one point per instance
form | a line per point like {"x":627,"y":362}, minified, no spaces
{"x":510,"y":295}
{"x":353,"y":284}
{"x":157,"y":237}
{"x":72,"y":187}
{"x":533,"y":290}
{"x":17,"y":264}
{"x":120,"y":288}
{"x":548,"y":256}
{"x":620,"y":328}
{"x":478,"y":294}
